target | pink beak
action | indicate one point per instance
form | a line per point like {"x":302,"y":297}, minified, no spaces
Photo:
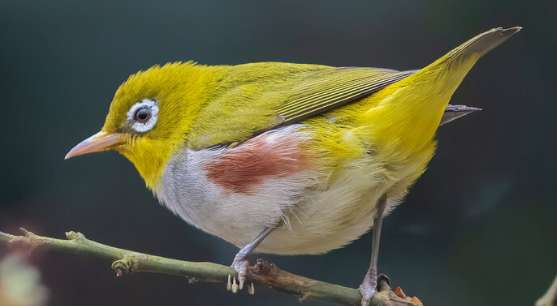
{"x":99,"y":142}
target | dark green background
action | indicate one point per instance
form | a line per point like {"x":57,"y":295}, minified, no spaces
{"x":479,"y":228}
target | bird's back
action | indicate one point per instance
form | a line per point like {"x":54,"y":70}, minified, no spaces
{"x":252,"y":98}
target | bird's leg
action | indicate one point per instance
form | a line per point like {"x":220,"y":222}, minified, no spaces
{"x":369,"y":285}
{"x":240,"y":263}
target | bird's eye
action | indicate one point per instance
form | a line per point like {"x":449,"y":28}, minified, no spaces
{"x":142,"y":115}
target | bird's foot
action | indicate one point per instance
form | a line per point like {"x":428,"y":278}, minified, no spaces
{"x":370,"y":285}
{"x":236,"y":282}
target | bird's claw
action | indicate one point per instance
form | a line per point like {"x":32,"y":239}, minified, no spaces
{"x":371,"y":285}
{"x":367,"y":293}
{"x":232,"y":284}
{"x":236,"y":282}
{"x":251,"y":289}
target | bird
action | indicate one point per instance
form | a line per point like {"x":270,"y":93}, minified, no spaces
{"x":285,"y":158}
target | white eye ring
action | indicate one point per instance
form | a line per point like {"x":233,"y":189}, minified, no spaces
{"x":142,"y":127}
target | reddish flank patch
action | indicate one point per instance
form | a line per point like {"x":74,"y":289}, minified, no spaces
{"x":242,"y":168}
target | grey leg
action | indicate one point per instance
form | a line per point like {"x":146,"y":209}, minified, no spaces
{"x":240,"y":263}
{"x":369,"y":285}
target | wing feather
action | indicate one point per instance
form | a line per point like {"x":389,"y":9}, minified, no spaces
{"x":280,"y":95}
{"x":319,"y":97}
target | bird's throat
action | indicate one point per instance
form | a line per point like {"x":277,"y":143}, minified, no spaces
{"x":151,"y":160}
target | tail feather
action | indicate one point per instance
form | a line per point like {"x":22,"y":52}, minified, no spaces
{"x":418,"y":102}
{"x":450,"y":69}
{"x":482,"y":43}
{"x":454,"y":112}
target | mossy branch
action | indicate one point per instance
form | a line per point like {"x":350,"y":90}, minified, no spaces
{"x":265,"y":273}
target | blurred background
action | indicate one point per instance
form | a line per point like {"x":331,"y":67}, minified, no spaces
{"x":479,"y":228}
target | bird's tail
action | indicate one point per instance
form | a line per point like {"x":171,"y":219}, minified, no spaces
{"x":411,"y":110}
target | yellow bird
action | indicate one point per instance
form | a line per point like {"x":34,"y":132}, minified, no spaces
{"x":285,"y":158}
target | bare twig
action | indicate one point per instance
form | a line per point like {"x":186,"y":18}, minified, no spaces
{"x":125,"y":261}
{"x":550,"y":297}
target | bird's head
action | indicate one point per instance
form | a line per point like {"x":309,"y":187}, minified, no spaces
{"x":149,"y":117}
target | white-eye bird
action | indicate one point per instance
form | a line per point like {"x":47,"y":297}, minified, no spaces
{"x":285,"y":158}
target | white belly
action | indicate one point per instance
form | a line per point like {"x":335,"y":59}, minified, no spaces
{"x":317,"y":215}
{"x":319,"y":208}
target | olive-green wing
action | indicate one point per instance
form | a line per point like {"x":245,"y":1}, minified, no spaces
{"x":242,"y":109}
{"x":330,"y":90}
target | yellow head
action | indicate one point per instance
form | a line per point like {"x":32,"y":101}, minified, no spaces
{"x":150,"y":116}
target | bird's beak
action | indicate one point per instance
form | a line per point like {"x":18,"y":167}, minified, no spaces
{"x":99,"y":142}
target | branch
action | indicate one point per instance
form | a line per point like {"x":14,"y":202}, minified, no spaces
{"x":265,"y":273}
{"x":550,"y":297}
